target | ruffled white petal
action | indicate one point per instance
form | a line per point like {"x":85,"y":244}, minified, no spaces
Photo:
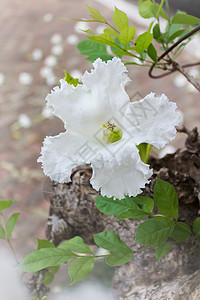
{"x":121,"y":173}
{"x":61,"y":153}
{"x":152,"y":120}
{"x":108,"y":79}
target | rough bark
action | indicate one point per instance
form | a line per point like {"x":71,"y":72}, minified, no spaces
{"x":73,"y":212}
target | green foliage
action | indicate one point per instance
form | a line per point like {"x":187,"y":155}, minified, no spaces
{"x":44,"y":244}
{"x":49,"y":277}
{"x":148,"y":9}
{"x":110,"y":241}
{"x":154,"y":231}
{"x":181,"y":232}
{"x":162,"y":250}
{"x":5,"y":204}
{"x":126,"y":35}
{"x":11,"y":224}
{"x":153,"y":55}
{"x":196,"y":226}
{"x":120,"y":19}
{"x":142,"y":42}
{"x":185,"y":19}
{"x":70,"y":79}
{"x":81,"y":268}
{"x":44,"y":258}
{"x":144,"y":148}
{"x":95,"y":14}
{"x":166,"y":198}
{"x":76,"y":244}
{"x":93,"y":50}
{"x":2,"y":233}
{"x":133,"y":214}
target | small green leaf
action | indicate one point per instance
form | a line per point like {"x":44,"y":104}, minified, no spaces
{"x":111,"y":32}
{"x":95,"y":14}
{"x":181,"y":232}
{"x":166,"y":198}
{"x":44,"y":244}
{"x":44,"y":258}
{"x":110,"y":241}
{"x":5,"y":204}
{"x":70,"y":79}
{"x":81,"y":268}
{"x":144,"y":148}
{"x":152,"y":53}
{"x":144,"y":203}
{"x":93,"y":50}
{"x":126,"y":35}
{"x":120,"y":19}
{"x":156,"y":32}
{"x":11,"y":224}
{"x":2,"y":233}
{"x":162,"y":250}
{"x":110,"y":207}
{"x":154,"y":231}
{"x":185,"y":19}
{"x":196,"y":226}
{"x":54,"y":269}
{"x":132,"y":214}
{"x":175,"y":35}
{"x":88,"y":31}
{"x":76,"y":244}
{"x":142,"y":42}
{"x":145,"y":9}
{"x":119,"y":258}
{"x":49,"y":277}
{"x":103,"y":38}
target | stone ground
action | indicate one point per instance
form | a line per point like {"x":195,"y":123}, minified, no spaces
{"x":29,"y":25}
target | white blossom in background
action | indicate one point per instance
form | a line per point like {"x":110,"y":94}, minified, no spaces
{"x":10,"y":285}
{"x":48,"y":17}
{"x":56,"y":38}
{"x":72,"y":39}
{"x":103,"y":128}
{"x":24,"y":121}
{"x":179,"y":80}
{"x":47,"y":113}
{"x":100,"y":29}
{"x":81,"y":26}
{"x":37,"y":54}
{"x":2,"y":78}
{"x":25,"y":78}
{"x":89,"y":291}
{"x":45,"y":72}
{"x":75,"y":73}
{"x":51,"y":80}
{"x":57,"y":50}
{"x":50,"y":61}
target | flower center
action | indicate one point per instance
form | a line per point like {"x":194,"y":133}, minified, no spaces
{"x":112,"y":133}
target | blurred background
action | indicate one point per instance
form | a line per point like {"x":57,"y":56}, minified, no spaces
{"x":36,"y":46}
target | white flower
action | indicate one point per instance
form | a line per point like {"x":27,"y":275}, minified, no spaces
{"x":50,"y":61}
{"x":48,"y":17}
{"x":24,"y":121}
{"x":103,"y":129}
{"x":57,"y":50}
{"x":2,"y":78}
{"x":72,"y":39}
{"x":37,"y":54}
{"x":56,"y":38}
{"x":25,"y":78}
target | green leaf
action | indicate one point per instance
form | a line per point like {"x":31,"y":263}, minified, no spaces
{"x":153,"y":55}
{"x":81,"y":268}
{"x":5,"y":204}
{"x":145,"y":9}
{"x":142,"y":42}
{"x":156,"y":32}
{"x":144,"y":148}
{"x":88,"y":31}
{"x":154,"y":231}
{"x":44,"y":258}
{"x":161,"y":13}
{"x":93,"y":50}
{"x":119,"y":258}
{"x":2,"y":233}
{"x":110,"y":241}
{"x":132,"y":214}
{"x":185,"y":19}
{"x":95,"y":14}
{"x":166,"y":198}
{"x":76,"y":244}
{"x":181,"y":232}
{"x":144,"y":203}
{"x":44,"y":244}
{"x":103,"y":38}
{"x":110,"y":207}
{"x":70,"y":79}
{"x":196,"y":226}
{"x":49,"y":277}
{"x":126,"y":35}
{"x":11,"y":224}
{"x":54,"y":269}
{"x":111,"y":31}
{"x":120,"y":19}
{"x":162,"y":250}
{"x":175,"y":35}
